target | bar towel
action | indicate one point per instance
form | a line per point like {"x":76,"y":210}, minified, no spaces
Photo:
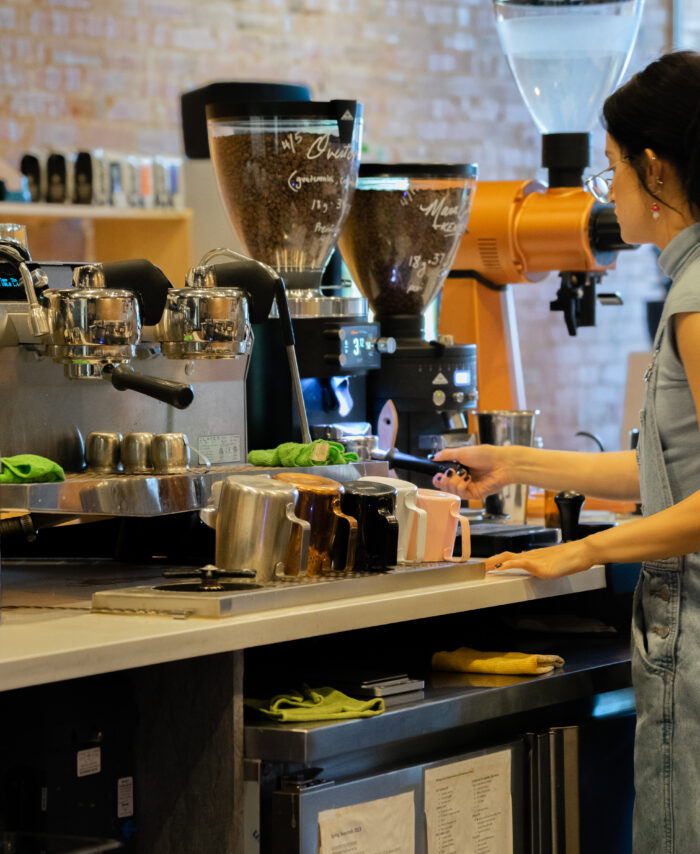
{"x":29,"y":468}
{"x":466,"y":660}
{"x":316,"y":704}
{"x":320,"y":452}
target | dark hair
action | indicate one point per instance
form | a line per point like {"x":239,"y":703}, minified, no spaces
{"x":659,"y":108}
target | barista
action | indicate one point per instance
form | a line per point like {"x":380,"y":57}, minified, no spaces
{"x":653,"y":148}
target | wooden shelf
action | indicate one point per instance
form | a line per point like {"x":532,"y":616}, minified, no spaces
{"x":104,"y":233}
{"x":37,"y":210}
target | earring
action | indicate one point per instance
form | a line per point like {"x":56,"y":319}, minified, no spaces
{"x":655,"y":211}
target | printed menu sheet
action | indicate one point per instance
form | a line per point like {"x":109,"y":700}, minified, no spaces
{"x":385,"y":826}
{"x":468,"y":808}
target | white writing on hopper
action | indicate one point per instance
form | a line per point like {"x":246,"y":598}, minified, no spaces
{"x":439,"y":208}
{"x":297,"y":181}
{"x":322,"y":145}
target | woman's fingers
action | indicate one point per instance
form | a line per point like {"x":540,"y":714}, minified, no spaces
{"x":452,"y":481}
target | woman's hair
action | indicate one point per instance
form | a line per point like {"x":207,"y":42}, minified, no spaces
{"x":659,"y":108}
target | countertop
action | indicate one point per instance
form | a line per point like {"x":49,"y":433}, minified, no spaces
{"x":48,"y":632}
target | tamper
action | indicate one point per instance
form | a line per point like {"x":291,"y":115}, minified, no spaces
{"x":569,"y":504}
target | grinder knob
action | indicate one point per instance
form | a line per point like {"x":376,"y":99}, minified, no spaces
{"x":569,"y":504}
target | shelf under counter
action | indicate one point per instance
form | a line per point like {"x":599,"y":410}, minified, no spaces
{"x":451,"y":701}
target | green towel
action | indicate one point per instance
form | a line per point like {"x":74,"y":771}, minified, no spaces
{"x":28,"y":468}
{"x":316,"y":704}
{"x":320,"y":452}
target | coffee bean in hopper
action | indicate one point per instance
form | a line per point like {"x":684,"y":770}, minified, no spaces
{"x":287,"y":195}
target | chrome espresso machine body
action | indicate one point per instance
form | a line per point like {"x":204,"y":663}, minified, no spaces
{"x":191,"y":346}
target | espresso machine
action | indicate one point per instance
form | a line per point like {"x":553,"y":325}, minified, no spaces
{"x":286,"y":173}
{"x":399,"y":242}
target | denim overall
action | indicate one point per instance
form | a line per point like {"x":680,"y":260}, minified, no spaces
{"x":666,"y":646}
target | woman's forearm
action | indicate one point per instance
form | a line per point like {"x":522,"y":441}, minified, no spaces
{"x":672,"y":532}
{"x":611,"y":475}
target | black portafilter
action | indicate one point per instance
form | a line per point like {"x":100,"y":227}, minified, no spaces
{"x":569,"y":504}
{"x":400,"y":460}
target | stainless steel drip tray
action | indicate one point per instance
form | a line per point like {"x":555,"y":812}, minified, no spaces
{"x":90,"y":494}
{"x":179,"y":600}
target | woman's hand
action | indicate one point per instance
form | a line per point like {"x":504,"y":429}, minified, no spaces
{"x":488,"y":466}
{"x":552,"y":562}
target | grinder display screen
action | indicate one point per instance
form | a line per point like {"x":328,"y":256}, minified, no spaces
{"x":11,"y":288}
{"x":357,"y":346}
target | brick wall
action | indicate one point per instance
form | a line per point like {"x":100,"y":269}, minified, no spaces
{"x":435,"y":87}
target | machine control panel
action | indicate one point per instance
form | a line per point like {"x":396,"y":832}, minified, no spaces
{"x":359,"y":345}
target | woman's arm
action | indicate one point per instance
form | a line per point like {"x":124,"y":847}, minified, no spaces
{"x":674,"y":531}
{"x":608,"y":475}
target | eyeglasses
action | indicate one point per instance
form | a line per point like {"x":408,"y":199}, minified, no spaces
{"x":599,"y":185}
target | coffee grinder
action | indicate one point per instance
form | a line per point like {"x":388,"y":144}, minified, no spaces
{"x":565,"y":58}
{"x":286,"y":172}
{"x":399,"y":241}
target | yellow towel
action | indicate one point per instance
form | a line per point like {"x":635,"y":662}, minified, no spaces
{"x":466,"y":660}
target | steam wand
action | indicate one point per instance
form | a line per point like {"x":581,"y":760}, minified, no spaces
{"x":280,"y":295}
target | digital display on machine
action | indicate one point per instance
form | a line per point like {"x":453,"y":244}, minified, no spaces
{"x":357,"y":346}
{"x":11,"y":288}
{"x":462,"y":377}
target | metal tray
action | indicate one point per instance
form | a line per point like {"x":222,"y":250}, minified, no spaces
{"x":147,"y":495}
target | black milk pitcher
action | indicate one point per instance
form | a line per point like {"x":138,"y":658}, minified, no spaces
{"x":373,"y":505}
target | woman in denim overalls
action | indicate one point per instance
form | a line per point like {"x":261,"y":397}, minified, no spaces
{"x":653,"y":147}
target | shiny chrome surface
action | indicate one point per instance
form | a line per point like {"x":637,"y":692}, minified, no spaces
{"x":507,"y":427}
{"x":254,"y":524}
{"x":89,"y":322}
{"x":205,"y":322}
{"x":311,"y":303}
{"x":170,"y":453}
{"x":103,"y":452}
{"x":360,"y":445}
{"x":145,"y":495}
{"x":288,"y":593}
{"x":136,"y":453}
{"x":50,"y":415}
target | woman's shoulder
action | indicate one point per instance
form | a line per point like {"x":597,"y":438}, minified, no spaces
{"x":684,"y":294}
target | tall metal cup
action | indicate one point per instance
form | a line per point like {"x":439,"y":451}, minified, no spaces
{"x":254,"y":522}
{"x":507,"y":427}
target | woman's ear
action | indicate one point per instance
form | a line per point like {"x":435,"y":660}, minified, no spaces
{"x":653,"y":170}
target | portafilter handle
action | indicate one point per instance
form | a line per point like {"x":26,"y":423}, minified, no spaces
{"x":419,"y":464}
{"x":179,"y":395}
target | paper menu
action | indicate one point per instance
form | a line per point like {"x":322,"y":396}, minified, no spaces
{"x":384,"y":826}
{"x":468,"y":806}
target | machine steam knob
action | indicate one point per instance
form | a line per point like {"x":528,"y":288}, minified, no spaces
{"x":385,"y":345}
{"x":458,"y":396}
